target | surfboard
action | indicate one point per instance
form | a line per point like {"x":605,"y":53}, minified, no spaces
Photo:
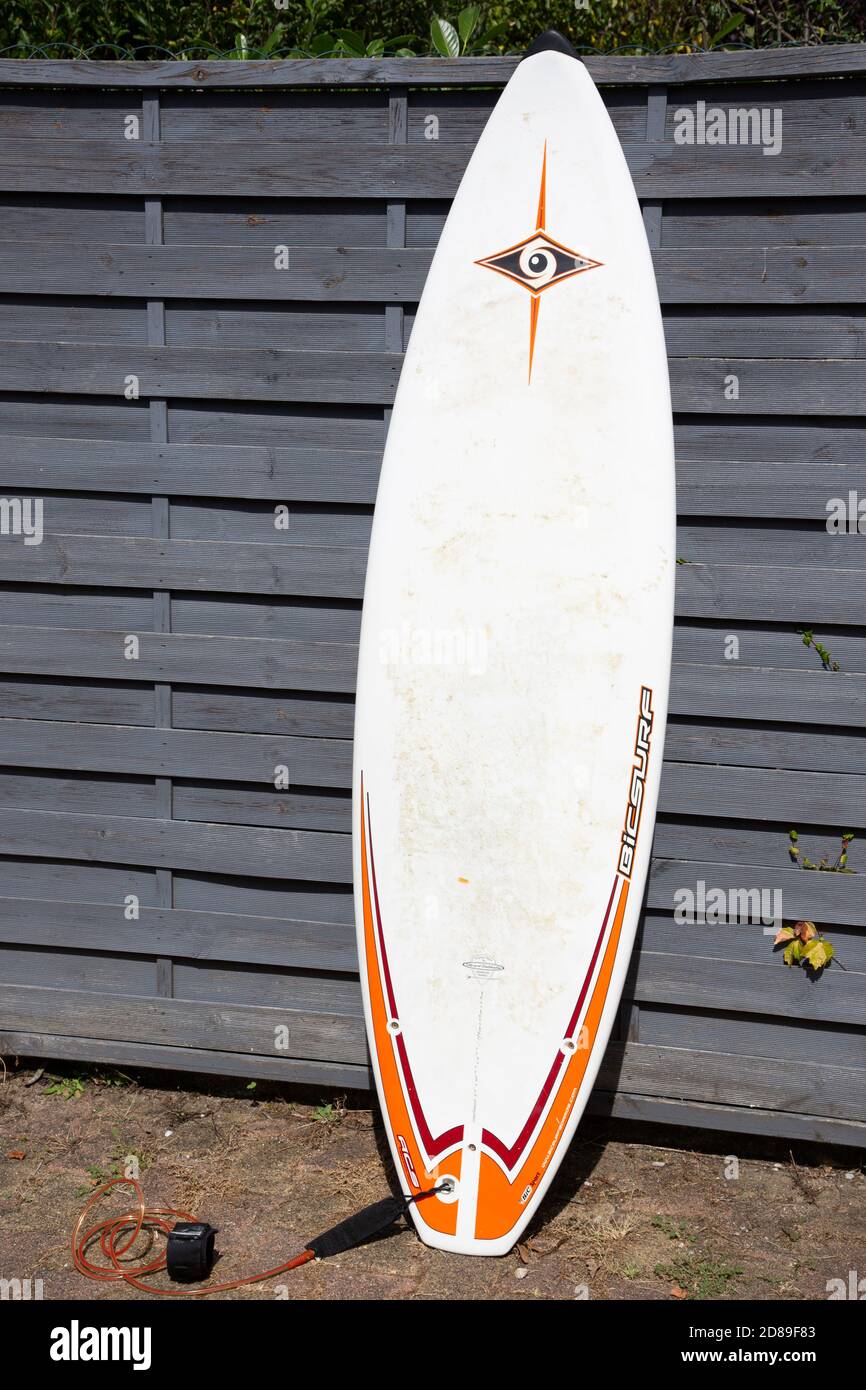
{"x":514,"y":663}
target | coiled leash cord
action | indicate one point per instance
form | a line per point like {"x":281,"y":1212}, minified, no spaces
{"x":189,"y":1248}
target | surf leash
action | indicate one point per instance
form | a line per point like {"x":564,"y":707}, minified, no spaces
{"x":189,"y":1250}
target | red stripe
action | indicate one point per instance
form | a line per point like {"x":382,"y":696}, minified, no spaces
{"x":510,"y":1156}
{"x":451,"y":1136}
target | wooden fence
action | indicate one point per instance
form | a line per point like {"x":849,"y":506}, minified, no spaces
{"x":164,"y":387}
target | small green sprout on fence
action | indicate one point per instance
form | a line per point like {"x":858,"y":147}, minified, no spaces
{"x":804,"y":944}
{"x":823,"y":866}
{"x":820,"y":650}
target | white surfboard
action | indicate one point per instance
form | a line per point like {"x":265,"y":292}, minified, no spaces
{"x":514,"y":663}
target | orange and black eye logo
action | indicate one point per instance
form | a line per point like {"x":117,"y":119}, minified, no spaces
{"x":538,"y":261}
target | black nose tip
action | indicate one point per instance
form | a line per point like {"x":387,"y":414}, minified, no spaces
{"x":550,"y":42}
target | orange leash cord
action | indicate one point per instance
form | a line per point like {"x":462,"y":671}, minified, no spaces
{"x":111,"y":1234}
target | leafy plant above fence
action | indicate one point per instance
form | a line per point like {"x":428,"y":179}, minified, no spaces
{"x":358,"y":28}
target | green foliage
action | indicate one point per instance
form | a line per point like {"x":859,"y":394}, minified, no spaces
{"x":371,"y":28}
{"x":69,"y":1087}
{"x":840,"y":866}
{"x":820,"y":650}
{"x":699,"y":1277}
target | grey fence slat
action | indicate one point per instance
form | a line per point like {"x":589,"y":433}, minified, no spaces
{"x":811,"y":895}
{"x":709,"y":487}
{"x":783,"y":387}
{"x":748,"y":1035}
{"x":695,"y":756}
{"x":286,"y":854}
{"x":727,"y":1118}
{"x":784,"y":332}
{"x":770,"y":274}
{"x":744,"y":939}
{"x":715,"y":841}
{"x":305,"y":169}
{"x":725,"y":691}
{"x":323,"y":571}
{"x":78,"y":794}
{"x":238,"y":471}
{"x":318,"y":716}
{"x":805,"y":894}
{"x":756,"y":592}
{"x":773,"y":546}
{"x":710,"y":1076}
{"x":762,"y":792}
{"x":771,"y":647}
{"x":761,"y":746}
{"x":242,"y":1028}
{"x":762,"y":592}
{"x":285,"y":666}
{"x":209,"y":73}
{"x":246,"y":805}
{"x":344,"y":169}
{"x":48,"y":699}
{"x":224,"y":373}
{"x":766,"y":441}
{"x":696,"y":981}
{"x":721,"y":488}
{"x":176,"y":752}
{"x":293,"y":1070}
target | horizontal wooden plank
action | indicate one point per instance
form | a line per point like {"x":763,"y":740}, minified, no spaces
{"x":747,"y":591}
{"x":719,"y":275}
{"x":771,"y":332}
{"x":785,"y":387}
{"x":267,"y":374}
{"x":765,"y":645}
{"x":803,"y":894}
{"x":605,"y":69}
{"x":292,"y":1070}
{"x":770,"y":989}
{"x":679,"y":1074}
{"x":769,"y":274}
{"x":183,"y":1022}
{"x":750,"y":793}
{"x":190,"y":935}
{"x":174,"y":752}
{"x":193,"y":845}
{"x":722,"y":488}
{"x":758,"y":845}
{"x":234,"y":661}
{"x":322,"y":571}
{"x":818,"y":750}
{"x":767,"y":592}
{"x":346,"y":169}
{"x":722,"y":690}
{"x":190,"y":470}
{"x":300,"y":169}
{"x":751,"y":1035}
{"x":750,"y":440}
{"x":729,"y":1119}
{"x":662,"y":933}
{"x":705,"y":487}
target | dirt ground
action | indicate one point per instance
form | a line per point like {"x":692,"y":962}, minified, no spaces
{"x":635,"y":1213}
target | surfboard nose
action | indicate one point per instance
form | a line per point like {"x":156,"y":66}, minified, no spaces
{"x":551,"y":42}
